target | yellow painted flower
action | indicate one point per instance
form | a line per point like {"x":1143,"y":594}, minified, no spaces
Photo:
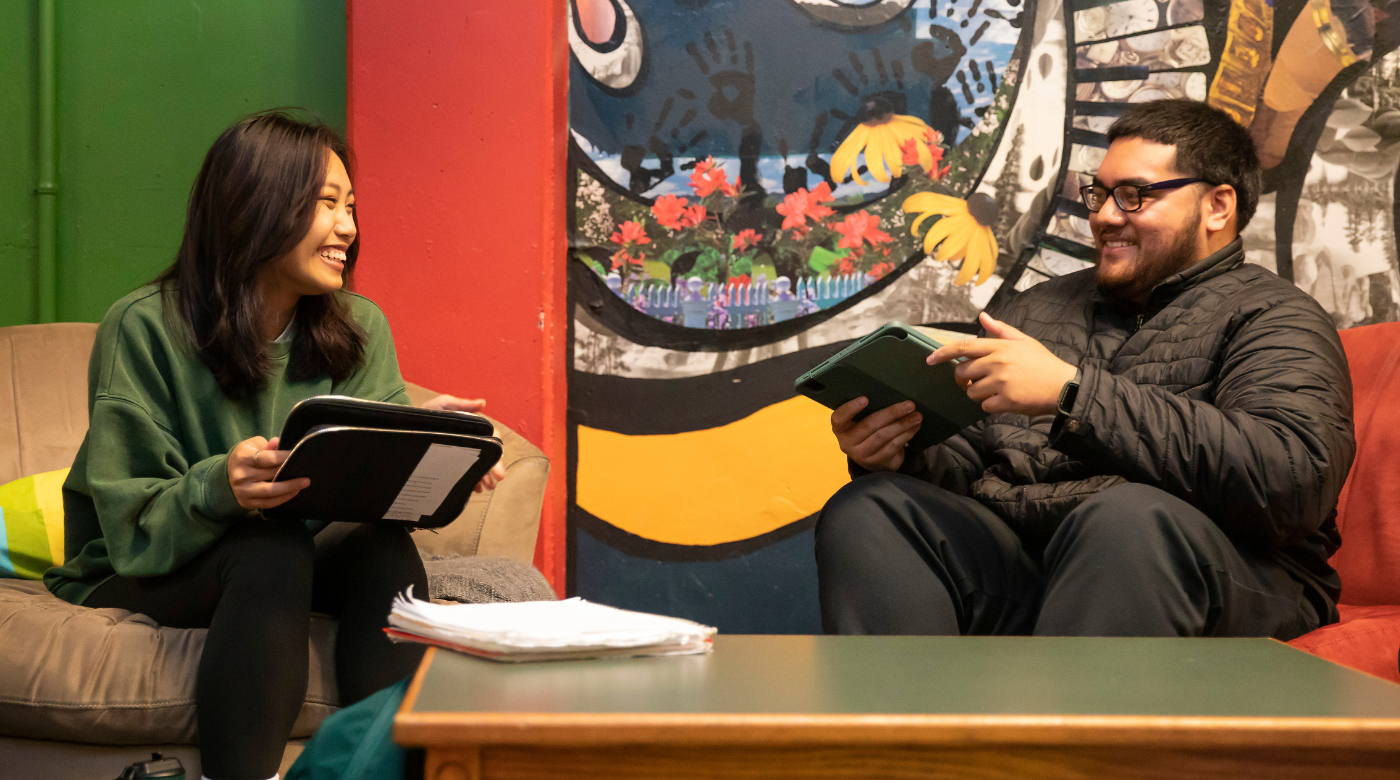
{"x":964,"y":231}
{"x":881,"y":134}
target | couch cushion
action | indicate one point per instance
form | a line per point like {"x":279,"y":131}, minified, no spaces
{"x":1367,"y":638}
{"x":43,"y":395}
{"x":1368,"y":510}
{"x":115,"y":677}
{"x":500,"y":522}
{"x":31,"y":525}
{"x":478,"y":580}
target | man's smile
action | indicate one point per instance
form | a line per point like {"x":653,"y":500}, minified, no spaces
{"x":1116,"y":246}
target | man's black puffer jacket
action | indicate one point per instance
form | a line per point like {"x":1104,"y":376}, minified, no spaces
{"x":1230,"y":390}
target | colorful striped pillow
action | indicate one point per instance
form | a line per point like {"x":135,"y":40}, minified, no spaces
{"x":31,"y":525}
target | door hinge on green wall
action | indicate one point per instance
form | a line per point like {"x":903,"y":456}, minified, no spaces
{"x":46,"y":191}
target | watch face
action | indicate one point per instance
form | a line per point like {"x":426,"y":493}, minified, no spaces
{"x":1087,"y":158}
{"x":1131,"y":16}
{"x":1149,"y":43}
{"x":1089,"y":24}
{"x":1187,"y":48}
{"x":1119,"y":90}
{"x":1184,"y":11}
{"x":1100,"y":53}
{"x":1150,"y":93}
{"x":1068,"y":394}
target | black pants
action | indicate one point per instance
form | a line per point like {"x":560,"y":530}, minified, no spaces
{"x":255,"y":591}
{"x":896,"y":555}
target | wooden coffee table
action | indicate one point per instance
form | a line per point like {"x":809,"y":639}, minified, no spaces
{"x":909,"y":707}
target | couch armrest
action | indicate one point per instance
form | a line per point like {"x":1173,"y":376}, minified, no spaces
{"x":500,"y":522}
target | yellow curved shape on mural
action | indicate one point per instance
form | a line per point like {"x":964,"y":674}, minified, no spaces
{"x":724,"y":484}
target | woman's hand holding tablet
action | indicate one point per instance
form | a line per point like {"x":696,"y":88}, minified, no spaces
{"x":452,"y":403}
{"x":252,"y":465}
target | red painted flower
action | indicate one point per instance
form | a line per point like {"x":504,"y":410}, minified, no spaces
{"x":740,"y":279}
{"x":860,"y":227}
{"x":631,"y":234}
{"x":709,"y":177}
{"x":744,"y":240}
{"x":799,"y":206}
{"x":621,"y":258}
{"x":880,"y":270}
{"x":844,"y":267}
{"x":909,"y":153}
{"x":693,"y":216}
{"x":924,"y":152}
{"x":794,"y":210}
{"x":668,"y":210}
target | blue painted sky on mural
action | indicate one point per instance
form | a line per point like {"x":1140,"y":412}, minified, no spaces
{"x":806,"y":84}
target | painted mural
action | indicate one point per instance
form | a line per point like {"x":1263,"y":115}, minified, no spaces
{"x":755,"y":183}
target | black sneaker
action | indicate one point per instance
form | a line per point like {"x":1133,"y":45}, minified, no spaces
{"x":169,"y":768}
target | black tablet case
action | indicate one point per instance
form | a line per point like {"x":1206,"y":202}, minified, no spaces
{"x":888,"y":367}
{"x":358,"y":455}
{"x":355,"y":413}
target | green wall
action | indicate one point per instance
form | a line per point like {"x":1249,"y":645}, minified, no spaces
{"x":143,"y":89}
{"x":18,"y":169}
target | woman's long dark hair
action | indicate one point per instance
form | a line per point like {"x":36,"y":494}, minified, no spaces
{"x":252,"y":203}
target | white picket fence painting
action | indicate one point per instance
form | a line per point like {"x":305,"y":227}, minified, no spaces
{"x":695,"y":303}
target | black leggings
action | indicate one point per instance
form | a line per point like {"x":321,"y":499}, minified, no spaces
{"x":255,"y":591}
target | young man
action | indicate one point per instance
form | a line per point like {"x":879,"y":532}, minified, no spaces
{"x":1170,"y":431}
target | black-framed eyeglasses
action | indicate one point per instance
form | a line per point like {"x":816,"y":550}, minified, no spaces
{"x":1128,"y":196}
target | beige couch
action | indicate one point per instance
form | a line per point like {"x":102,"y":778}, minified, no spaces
{"x":85,"y":691}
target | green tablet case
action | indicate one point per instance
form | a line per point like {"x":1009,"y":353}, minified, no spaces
{"x":888,"y":367}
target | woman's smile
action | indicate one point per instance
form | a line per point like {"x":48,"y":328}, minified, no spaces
{"x":316,"y":265}
{"x":334,"y":256}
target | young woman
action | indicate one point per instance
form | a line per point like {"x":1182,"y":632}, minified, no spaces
{"x":188,"y":378}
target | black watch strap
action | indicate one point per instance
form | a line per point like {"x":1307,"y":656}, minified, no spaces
{"x":1068,"y":394}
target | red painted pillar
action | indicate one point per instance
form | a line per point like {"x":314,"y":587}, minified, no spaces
{"x":458,"y":118}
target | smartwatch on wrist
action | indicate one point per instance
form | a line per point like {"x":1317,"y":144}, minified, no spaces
{"x":1068,"y":394}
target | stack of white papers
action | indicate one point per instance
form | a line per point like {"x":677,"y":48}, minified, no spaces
{"x":544,"y":630}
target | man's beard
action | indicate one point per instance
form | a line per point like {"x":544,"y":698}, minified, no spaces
{"x":1152,"y":267}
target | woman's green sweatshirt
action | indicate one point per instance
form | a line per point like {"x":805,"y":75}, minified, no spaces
{"x":149,"y":489}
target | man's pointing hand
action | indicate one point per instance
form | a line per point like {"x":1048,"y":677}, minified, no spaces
{"x":1008,"y":372}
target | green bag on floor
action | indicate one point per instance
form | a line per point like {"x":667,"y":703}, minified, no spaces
{"x":356,"y":743}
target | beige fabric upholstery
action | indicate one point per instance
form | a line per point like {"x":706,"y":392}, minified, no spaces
{"x":72,"y":674}
{"x":115,"y":677}
{"x":43,"y":396}
{"x":501,"y":522}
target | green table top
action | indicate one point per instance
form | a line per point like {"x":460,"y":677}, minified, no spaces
{"x":833,"y":675}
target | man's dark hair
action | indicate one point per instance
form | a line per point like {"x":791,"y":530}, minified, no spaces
{"x":252,"y":203}
{"x":1209,"y":145}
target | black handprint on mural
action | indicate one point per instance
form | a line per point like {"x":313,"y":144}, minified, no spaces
{"x":727,"y":65}
{"x":879,"y":77}
{"x":643,"y":177}
{"x":938,"y":58}
{"x":1014,"y":21}
{"x":733,"y":100}
{"x":734,"y":89}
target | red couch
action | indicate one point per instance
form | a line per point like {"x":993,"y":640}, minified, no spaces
{"x":1368,"y":515}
